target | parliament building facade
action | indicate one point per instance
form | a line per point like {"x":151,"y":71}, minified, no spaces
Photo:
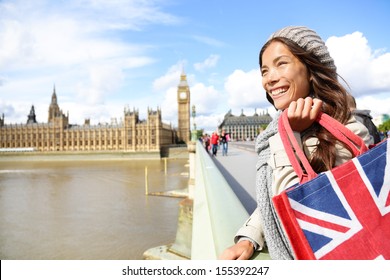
{"x":244,"y":127}
{"x":130,"y":135}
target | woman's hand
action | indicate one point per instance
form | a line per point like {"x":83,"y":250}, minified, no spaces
{"x":303,"y":112}
{"x":242,"y":250}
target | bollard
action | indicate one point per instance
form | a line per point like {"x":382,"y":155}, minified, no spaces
{"x":165,"y":166}
{"x":146,"y":181}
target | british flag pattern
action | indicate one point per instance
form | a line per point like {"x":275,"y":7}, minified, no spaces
{"x":345,"y":213}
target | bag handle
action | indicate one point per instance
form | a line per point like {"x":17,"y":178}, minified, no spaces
{"x":290,"y":143}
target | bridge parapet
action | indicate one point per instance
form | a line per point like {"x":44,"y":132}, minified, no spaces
{"x":217,"y":211}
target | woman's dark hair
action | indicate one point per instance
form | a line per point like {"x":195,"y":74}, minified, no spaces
{"x":324,"y":85}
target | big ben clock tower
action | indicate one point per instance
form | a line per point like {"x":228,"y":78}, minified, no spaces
{"x":183,"y":100}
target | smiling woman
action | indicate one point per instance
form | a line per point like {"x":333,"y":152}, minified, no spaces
{"x":299,"y":76}
{"x":281,"y":65}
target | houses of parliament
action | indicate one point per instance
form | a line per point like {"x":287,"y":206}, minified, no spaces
{"x":131,"y":135}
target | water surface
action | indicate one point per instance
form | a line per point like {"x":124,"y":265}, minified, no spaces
{"x":87,"y":209}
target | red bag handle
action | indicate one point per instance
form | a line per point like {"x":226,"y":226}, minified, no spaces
{"x":290,"y":143}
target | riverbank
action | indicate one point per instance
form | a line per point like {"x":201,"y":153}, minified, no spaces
{"x":76,"y":156}
{"x":169,"y":152}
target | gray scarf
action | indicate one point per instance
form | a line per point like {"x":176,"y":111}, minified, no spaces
{"x":277,"y":243}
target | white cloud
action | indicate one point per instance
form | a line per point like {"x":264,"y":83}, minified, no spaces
{"x":208,"y":123}
{"x":244,"y":90}
{"x":209,"y":62}
{"x":103,"y":80}
{"x":209,"y":41}
{"x":205,"y":98}
{"x":365,"y":70}
{"x":97,"y":114}
{"x":42,"y":43}
{"x":378,"y":104}
{"x":126,"y":14}
{"x":169,"y":106}
{"x":171,"y":78}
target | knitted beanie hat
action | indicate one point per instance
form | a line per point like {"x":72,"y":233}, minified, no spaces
{"x":309,"y":41}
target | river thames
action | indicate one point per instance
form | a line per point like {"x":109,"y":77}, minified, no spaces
{"x":96,"y":210}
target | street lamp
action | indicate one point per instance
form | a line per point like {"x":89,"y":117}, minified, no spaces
{"x":193,"y":116}
{"x":194,"y":133}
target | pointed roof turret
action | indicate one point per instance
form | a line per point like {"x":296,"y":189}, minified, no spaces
{"x":54,"y":96}
{"x":31,"y":118}
{"x":183,"y":79}
{"x":54,"y":109}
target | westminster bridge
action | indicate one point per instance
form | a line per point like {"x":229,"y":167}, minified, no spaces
{"x":220,"y":199}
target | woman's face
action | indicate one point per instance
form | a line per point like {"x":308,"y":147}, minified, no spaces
{"x":285,"y":78}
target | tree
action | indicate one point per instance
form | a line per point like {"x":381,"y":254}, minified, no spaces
{"x":385,"y":126}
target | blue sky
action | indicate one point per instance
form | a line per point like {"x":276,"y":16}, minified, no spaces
{"x":103,"y":56}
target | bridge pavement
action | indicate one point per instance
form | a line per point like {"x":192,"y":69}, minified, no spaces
{"x":239,"y":170}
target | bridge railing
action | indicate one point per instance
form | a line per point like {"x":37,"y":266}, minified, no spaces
{"x":217,"y":211}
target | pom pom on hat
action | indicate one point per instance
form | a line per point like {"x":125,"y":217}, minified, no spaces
{"x":308,"y":40}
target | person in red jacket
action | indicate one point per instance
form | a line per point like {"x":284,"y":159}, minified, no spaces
{"x":214,"y":143}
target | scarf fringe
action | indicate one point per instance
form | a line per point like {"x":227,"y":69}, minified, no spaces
{"x":277,"y":243}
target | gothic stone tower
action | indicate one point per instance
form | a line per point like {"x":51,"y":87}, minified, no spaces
{"x":183,"y":100}
{"x":54,"y":109}
{"x":55,"y":113}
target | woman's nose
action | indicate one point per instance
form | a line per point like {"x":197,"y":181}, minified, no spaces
{"x":272,"y":76}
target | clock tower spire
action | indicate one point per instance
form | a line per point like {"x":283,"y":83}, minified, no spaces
{"x":183,"y":100}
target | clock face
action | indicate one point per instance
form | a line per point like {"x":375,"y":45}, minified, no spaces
{"x":183,"y":95}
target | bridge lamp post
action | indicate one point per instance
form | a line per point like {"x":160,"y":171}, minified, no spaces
{"x":194,"y":133}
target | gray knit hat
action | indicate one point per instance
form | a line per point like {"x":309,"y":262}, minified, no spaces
{"x":309,"y":41}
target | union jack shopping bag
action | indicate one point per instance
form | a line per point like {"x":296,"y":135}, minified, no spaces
{"x":343,"y":213}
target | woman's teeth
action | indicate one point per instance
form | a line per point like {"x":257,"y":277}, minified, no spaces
{"x":278,"y":91}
